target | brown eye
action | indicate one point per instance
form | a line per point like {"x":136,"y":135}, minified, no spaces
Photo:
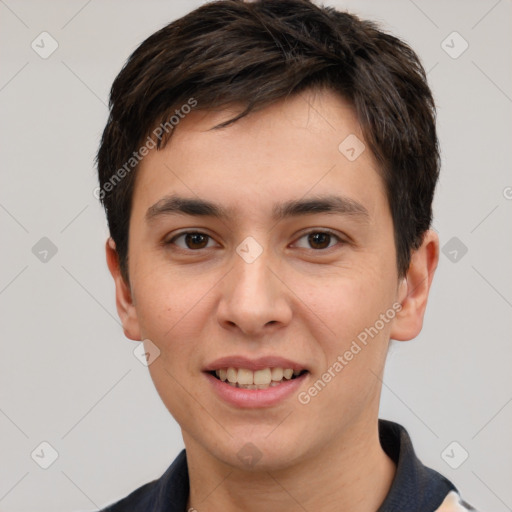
{"x":318,"y":240}
{"x":196,"y":240}
{"x":192,"y":240}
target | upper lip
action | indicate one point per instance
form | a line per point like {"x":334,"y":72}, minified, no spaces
{"x":253,"y":364}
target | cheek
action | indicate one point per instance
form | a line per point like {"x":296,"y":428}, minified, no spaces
{"x":347,"y":301}
{"x":172,"y":315}
{"x":351,"y":306}
{"x":354,"y":349}
{"x":169,"y":311}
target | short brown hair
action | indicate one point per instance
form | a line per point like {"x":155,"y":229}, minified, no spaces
{"x":257,"y":53}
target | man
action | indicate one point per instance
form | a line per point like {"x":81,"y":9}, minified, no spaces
{"x":268,"y":170}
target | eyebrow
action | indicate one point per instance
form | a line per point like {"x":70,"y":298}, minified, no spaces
{"x":175,"y":205}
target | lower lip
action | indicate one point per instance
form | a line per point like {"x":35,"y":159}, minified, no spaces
{"x":255,"y":398}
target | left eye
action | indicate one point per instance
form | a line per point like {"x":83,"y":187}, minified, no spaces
{"x":319,"y":240}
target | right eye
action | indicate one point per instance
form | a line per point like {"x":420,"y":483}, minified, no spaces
{"x":191,"y":240}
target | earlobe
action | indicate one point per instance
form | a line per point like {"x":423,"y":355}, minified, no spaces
{"x":414,"y":289}
{"x":124,"y":300}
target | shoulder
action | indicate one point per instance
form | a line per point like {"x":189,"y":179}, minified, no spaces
{"x":169,"y":493}
{"x":416,"y":487}
{"x":454,"y":503}
{"x":140,"y":499}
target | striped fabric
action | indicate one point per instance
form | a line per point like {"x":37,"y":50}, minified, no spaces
{"x":453,"y":503}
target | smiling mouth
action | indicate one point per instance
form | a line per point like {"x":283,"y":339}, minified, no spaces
{"x":260,"y":379}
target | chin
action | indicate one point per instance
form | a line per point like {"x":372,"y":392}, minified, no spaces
{"x":256,"y":454}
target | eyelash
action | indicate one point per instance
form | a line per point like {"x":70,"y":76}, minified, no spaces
{"x":313,"y":231}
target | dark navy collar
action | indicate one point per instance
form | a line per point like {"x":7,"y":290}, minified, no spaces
{"x":415,"y":487}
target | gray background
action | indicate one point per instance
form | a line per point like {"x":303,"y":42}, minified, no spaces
{"x":67,"y":374}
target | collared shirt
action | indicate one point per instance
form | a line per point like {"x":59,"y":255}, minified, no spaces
{"x":415,"y":488}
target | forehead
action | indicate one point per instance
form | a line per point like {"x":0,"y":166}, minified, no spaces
{"x":291,"y":149}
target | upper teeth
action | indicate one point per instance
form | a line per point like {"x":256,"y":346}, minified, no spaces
{"x":259,"y":377}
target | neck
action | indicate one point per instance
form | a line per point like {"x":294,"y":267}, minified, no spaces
{"x":352,"y":474}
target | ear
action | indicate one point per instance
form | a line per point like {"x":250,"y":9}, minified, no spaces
{"x":124,"y":302}
{"x":415,"y":287}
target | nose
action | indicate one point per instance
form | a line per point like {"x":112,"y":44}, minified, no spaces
{"x":254,"y":301}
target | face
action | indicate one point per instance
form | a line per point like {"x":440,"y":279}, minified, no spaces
{"x":261,"y":247}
